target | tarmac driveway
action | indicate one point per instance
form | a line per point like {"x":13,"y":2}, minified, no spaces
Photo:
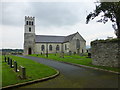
{"x":74,"y":77}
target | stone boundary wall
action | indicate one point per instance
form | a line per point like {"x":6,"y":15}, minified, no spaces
{"x":106,"y":53}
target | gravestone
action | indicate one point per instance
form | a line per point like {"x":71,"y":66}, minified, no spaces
{"x":22,"y":72}
{"x":15,"y":66}
{"x":55,"y":53}
{"x":41,"y":53}
{"x":62,"y":55}
{"x":89,"y":55}
{"x":70,"y":53}
{"x":46,"y":54}
{"x":5,"y":58}
{"x":10,"y":63}
{"x":75,"y":53}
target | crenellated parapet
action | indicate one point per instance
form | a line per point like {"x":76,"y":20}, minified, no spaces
{"x":29,"y":18}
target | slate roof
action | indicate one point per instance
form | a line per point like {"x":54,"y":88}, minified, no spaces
{"x":53,"y":39}
{"x":69,"y":37}
{"x":49,"y":39}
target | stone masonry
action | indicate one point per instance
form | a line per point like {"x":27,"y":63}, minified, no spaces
{"x":106,"y":53}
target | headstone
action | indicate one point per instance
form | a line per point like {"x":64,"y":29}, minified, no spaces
{"x":41,"y":53}
{"x":23,"y":72}
{"x":62,"y":55}
{"x":56,"y":53}
{"x":46,"y":54}
{"x":5,"y":58}
{"x":15,"y":66}
{"x":10,"y":63}
{"x":70,"y":53}
{"x":74,"y":53}
{"x":87,"y":51}
{"x":89,"y":55}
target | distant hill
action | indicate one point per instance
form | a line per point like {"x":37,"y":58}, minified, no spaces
{"x":12,"y":50}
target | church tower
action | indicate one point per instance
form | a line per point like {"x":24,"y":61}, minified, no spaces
{"x":29,"y":35}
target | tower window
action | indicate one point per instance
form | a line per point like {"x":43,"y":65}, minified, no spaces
{"x":27,"y":23}
{"x":29,"y":29}
{"x":32,"y":23}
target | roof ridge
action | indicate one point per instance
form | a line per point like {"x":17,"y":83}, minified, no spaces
{"x":51,"y":35}
{"x":72,"y":34}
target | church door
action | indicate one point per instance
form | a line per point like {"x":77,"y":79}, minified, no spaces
{"x":29,"y":51}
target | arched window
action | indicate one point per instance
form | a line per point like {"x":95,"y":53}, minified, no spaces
{"x":65,"y":47}
{"x":29,"y":29}
{"x":57,"y":47}
{"x":32,"y":23}
{"x":27,"y":23}
{"x":42,"y":47}
{"x":50,"y":47}
{"x":77,"y":43}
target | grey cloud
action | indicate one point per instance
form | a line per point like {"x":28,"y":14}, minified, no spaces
{"x":57,"y":13}
{"x":46,"y":13}
{"x":12,"y":14}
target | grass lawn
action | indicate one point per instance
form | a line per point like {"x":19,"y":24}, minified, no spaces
{"x":34,"y":71}
{"x":76,"y":59}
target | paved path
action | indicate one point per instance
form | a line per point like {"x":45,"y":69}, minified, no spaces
{"x":75,"y":77}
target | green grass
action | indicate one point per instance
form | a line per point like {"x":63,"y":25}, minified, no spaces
{"x":76,"y":59}
{"x":34,"y":71}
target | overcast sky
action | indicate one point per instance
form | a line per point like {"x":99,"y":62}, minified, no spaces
{"x":51,"y":18}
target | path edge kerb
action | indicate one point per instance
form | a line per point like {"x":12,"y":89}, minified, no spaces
{"x":33,"y":81}
{"x":92,"y":67}
{"x":85,"y":66}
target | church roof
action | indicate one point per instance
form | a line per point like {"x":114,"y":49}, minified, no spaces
{"x":53,"y":39}
{"x":69,"y":37}
{"x":49,"y":39}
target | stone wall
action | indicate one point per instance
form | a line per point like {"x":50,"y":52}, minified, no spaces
{"x":106,"y":53}
{"x":72,"y":46}
{"x":38,"y":49}
{"x":29,"y":42}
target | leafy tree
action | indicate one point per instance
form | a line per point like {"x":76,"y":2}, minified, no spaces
{"x":107,"y":11}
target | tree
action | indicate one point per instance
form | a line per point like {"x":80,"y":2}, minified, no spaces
{"x":108,"y":11}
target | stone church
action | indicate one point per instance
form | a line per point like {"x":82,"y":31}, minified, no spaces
{"x":37,"y":44}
